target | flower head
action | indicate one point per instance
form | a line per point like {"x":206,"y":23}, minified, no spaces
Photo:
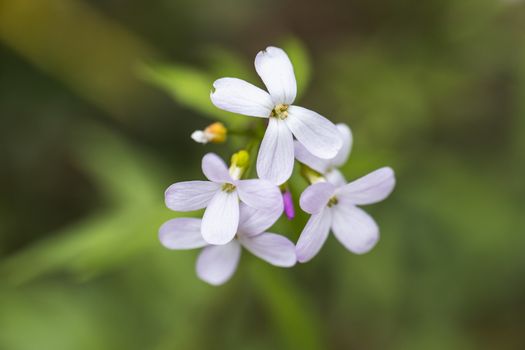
{"x":217,"y":263}
{"x":221,"y":195}
{"x":328,"y":167}
{"x":335,"y":208}
{"x":276,"y":154}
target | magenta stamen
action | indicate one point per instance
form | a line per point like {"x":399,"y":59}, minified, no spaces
{"x":289,"y":210}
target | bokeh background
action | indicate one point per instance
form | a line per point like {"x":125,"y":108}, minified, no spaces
{"x":97,"y":102}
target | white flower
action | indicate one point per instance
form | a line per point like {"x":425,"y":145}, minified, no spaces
{"x":328,"y":167}
{"x":276,"y":154}
{"x":335,"y":207}
{"x":220,"y":196}
{"x":217,"y":263}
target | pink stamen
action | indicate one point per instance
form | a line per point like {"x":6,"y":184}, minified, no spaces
{"x":289,"y":209}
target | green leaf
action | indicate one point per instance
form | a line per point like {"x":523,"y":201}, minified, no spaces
{"x":87,"y":248}
{"x":127,"y":225}
{"x":191,"y":88}
{"x":225,"y":63}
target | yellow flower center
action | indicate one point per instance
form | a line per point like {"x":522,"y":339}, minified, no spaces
{"x":228,"y":188}
{"x":280,"y":111}
{"x":332,"y":201}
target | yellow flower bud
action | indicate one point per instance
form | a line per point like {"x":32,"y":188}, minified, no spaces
{"x":215,"y":133}
{"x":241,"y":159}
{"x":311,"y":175}
{"x":239,"y":163}
{"x":218,"y":132}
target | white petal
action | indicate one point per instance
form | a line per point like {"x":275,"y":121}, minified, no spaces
{"x":215,"y":169}
{"x":315,"y":197}
{"x":335,"y":177}
{"x":354,"y":228}
{"x":276,"y":71}
{"x":190,"y":195}
{"x":273,"y":248}
{"x":254,"y":221}
{"x":371,"y":188}
{"x":275,"y":159}
{"x":181,"y":233}
{"x":238,"y":96}
{"x":217,"y":263}
{"x":221,"y":218}
{"x":307,"y":158}
{"x":313,"y":236}
{"x":323,"y":165}
{"x":200,"y":136}
{"x":260,"y":194}
{"x":317,"y":134}
{"x":344,"y":152}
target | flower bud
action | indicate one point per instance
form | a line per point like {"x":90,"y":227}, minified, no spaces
{"x":239,"y":163}
{"x":311,"y":175}
{"x":215,"y":133}
{"x":289,"y":209}
{"x":241,"y":159}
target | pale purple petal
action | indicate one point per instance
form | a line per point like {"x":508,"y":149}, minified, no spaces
{"x":371,"y":188}
{"x":276,"y":71}
{"x":313,"y":236}
{"x":325,"y":166}
{"x":238,"y":96}
{"x":260,"y":194}
{"x":181,"y":233}
{"x":255,"y":221}
{"x":221,"y":218}
{"x":315,"y":197}
{"x":354,"y":228}
{"x":316,"y":133}
{"x":216,"y":264}
{"x":307,"y":158}
{"x":215,"y":169}
{"x":276,"y":158}
{"x":190,"y":195}
{"x":335,"y":177}
{"x":273,"y":248}
{"x":346,"y":136}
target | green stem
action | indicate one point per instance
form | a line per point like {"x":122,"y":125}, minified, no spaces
{"x":257,"y":134}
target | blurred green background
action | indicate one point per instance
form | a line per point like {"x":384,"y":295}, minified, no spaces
{"x":97,"y":102}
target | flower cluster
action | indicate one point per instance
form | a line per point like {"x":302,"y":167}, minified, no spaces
{"x":239,"y":211}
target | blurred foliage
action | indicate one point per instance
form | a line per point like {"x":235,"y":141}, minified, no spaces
{"x":434,"y":89}
{"x":192,"y":87}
